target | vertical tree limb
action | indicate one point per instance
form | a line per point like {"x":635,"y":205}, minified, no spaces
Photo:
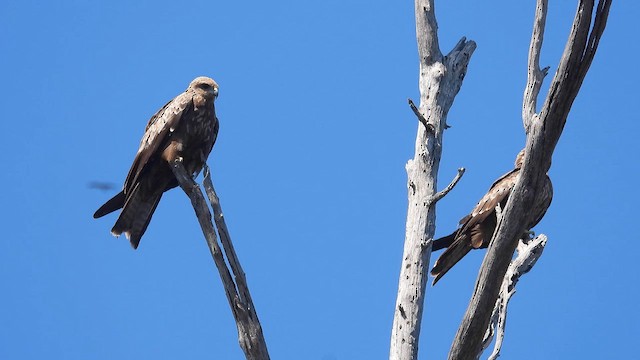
{"x":250,"y":334}
{"x":440,"y":81}
{"x":542,"y":136}
{"x":534,"y":74}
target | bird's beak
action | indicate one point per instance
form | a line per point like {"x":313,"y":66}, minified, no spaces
{"x":215,"y":92}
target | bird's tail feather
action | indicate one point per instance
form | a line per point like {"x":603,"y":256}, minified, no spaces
{"x":443,"y":242}
{"x":113,"y":204}
{"x":449,"y":258}
{"x":135,"y":216}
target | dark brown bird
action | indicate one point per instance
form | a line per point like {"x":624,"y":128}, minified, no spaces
{"x":185,"y":128}
{"x":476,"y":229}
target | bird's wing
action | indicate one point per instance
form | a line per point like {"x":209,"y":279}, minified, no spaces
{"x":477,"y":209}
{"x":157,"y":134}
{"x":542,"y":203}
{"x":497,"y":194}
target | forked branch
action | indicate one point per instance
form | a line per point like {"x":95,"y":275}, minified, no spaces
{"x":543,"y":132}
{"x":250,"y":334}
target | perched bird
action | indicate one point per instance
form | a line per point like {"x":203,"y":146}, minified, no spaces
{"x":476,"y":229}
{"x":185,"y":128}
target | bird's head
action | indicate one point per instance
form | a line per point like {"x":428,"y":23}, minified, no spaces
{"x":204,"y":85}
{"x":519,"y":159}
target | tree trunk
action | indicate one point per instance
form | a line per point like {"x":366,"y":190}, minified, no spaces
{"x":440,"y":81}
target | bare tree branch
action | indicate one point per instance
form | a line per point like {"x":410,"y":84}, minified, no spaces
{"x":542,"y":136}
{"x":440,"y":81}
{"x":529,"y":251}
{"x":442,"y":193}
{"x":534,"y":74}
{"x":249,"y":330}
{"x":426,"y":24}
{"x":421,"y":117}
{"x":254,"y":339}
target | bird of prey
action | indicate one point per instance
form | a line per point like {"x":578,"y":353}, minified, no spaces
{"x":184,"y":128}
{"x":476,"y":229}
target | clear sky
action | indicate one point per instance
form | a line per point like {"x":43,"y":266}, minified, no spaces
{"x":309,"y":165}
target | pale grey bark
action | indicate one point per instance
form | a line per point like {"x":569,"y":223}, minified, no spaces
{"x":529,"y":251}
{"x":440,"y":81}
{"x":250,"y":334}
{"x":543,"y":131}
{"x":442,"y":193}
{"x":535,"y":75}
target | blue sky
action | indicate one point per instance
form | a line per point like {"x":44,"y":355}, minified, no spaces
{"x":309,"y":165}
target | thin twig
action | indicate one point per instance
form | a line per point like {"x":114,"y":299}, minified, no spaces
{"x":430,"y":128}
{"x":442,"y":193}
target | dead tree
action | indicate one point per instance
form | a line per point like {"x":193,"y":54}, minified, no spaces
{"x":440,"y":80}
{"x":543,"y":129}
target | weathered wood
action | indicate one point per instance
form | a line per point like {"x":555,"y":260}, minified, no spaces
{"x":442,"y":193}
{"x":534,"y":74}
{"x":529,"y":251}
{"x":543,"y":131}
{"x":250,"y":334}
{"x":439,"y":82}
{"x":249,"y":328}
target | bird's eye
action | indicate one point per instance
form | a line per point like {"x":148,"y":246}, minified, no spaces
{"x":205,"y":86}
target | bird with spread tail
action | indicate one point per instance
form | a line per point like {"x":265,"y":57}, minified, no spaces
{"x":476,"y":229}
{"x":184,"y":129}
